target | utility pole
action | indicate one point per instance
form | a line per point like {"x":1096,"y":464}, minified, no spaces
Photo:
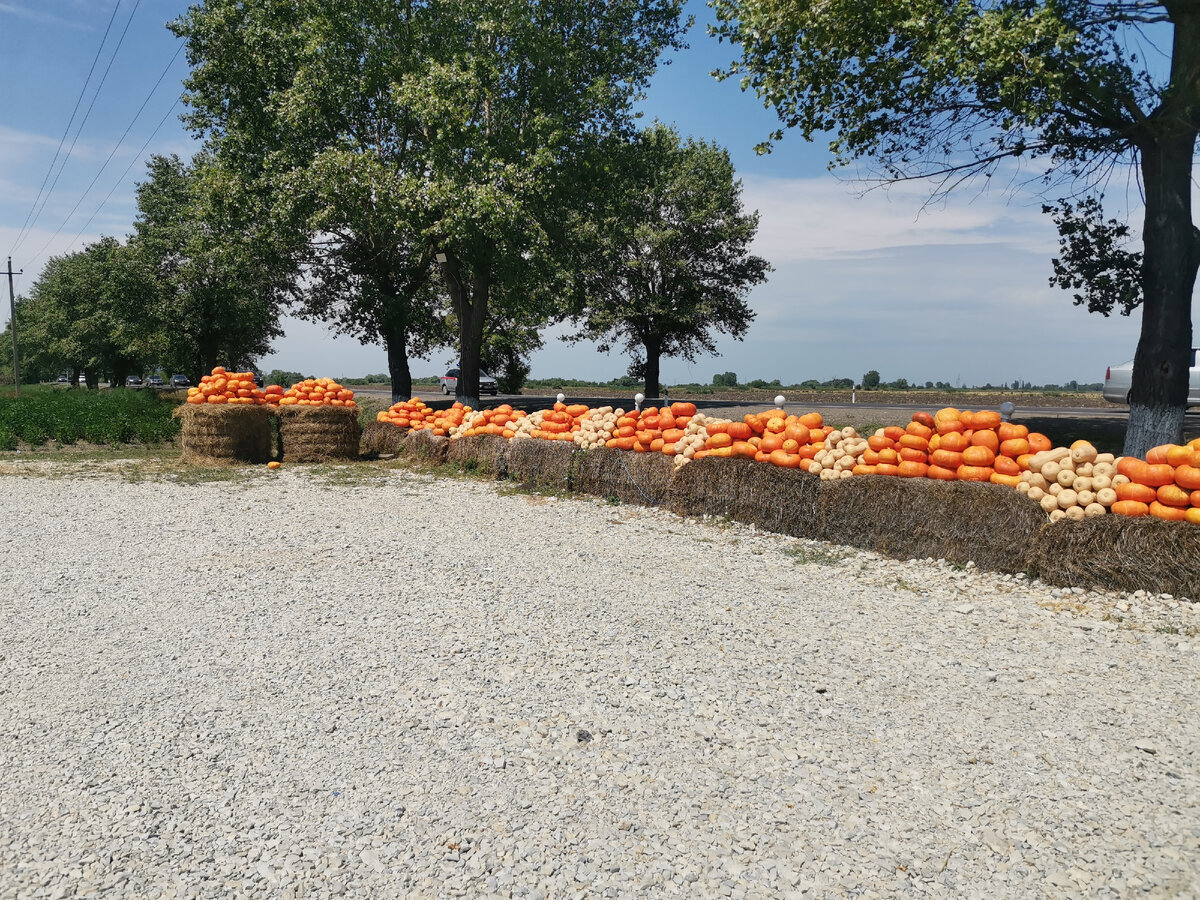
{"x":12,"y":308}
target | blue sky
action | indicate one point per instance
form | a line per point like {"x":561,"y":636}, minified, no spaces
{"x":863,"y":279}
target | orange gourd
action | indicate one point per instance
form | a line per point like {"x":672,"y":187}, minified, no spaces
{"x":911,"y":454}
{"x":1133,"y":508}
{"x":1188,"y":476}
{"x":1008,"y":431}
{"x":1174,"y":495}
{"x":986,"y":419}
{"x":739,"y":431}
{"x":956,"y":441}
{"x":920,"y":429}
{"x":1170,"y":513}
{"x":975,"y":473}
{"x":942,"y":473}
{"x":812,"y":420}
{"x":979,"y":455}
{"x":911,"y":469}
{"x":1014,"y":448}
{"x":948,"y":459}
{"x":716,"y":441}
{"x":1038,"y":442}
{"x":1006,"y":480}
{"x":883,"y":468}
{"x":1007,"y":466}
{"x":1135,"y":491}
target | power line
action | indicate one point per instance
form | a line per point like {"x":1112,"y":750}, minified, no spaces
{"x":67,"y":130}
{"x":137,"y":156}
{"x":86,"y":115}
{"x":112,"y":153}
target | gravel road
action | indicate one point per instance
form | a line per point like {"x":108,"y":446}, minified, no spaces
{"x":323,"y":683}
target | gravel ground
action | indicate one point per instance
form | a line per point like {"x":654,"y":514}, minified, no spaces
{"x":325,"y":683}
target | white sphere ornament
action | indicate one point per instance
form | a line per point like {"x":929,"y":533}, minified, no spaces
{"x":562,"y":397}
{"x":780,"y":400}
{"x":638,"y":398}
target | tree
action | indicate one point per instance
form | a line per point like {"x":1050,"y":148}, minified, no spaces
{"x":725,"y":379}
{"x":949,"y":90}
{"x":455,"y":132}
{"x":300,"y":101}
{"x":870,"y":381}
{"x":90,"y":312}
{"x":672,"y":262}
{"x":223,"y":273}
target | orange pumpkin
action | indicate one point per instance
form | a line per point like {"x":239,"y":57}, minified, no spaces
{"x":942,"y":473}
{"x":683,"y":409}
{"x":986,"y":438}
{"x":716,"y":441}
{"x":955,"y":441}
{"x":879,"y":442}
{"x":914,"y":442}
{"x":979,"y":455}
{"x":895,"y":432}
{"x":1005,"y":465}
{"x":911,"y":469}
{"x":975,"y":473}
{"x":784,"y":459}
{"x":1014,"y":448}
{"x":1008,"y":431}
{"x":796,"y":431}
{"x":1006,"y":480}
{"x":920,"y":429}
{"x":1188,"y":476}
{"x":1170,"y":513}
{"x":1135,"y":491}
{"x":924,"y":418}
{"x":739,"y":431}
{"x":986,"y":419}
{"x":1132,"y":508}
{"x":1038,"y":442}
{"x":883,"y":468}
{"x":1158,"y":455}
{"x":948,"y":459}
{"x":1174,"y":495}
{"x":911,"y":454}
{"x":812,"y":420}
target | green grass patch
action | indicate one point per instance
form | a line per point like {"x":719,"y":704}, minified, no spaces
{"x":40,"y":414}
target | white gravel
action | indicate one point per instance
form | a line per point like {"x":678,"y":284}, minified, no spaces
{"x":302,"y":686}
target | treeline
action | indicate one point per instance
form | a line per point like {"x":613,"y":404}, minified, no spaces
{"x":420,"y":176}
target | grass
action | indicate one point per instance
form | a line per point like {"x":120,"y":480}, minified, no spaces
{"x":40,"y":414}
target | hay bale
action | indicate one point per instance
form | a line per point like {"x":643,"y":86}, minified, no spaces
{"x":988,"y":524}
{"x":484,"y":453}
{"x":706,"y":487}
{"x":544,"y":465}
{"x":426,"y":445}
{"x":309,"y":434}
{"x":381,"y":438}
{"x":220,"y":434}
{"x":643,"y":478}
{"x":775,"y":499}
{"x":1119,"y":553}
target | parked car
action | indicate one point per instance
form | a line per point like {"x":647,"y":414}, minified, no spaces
{"x":1118,"y":380}
{"x":155,"y":381}
{"x":133,"y":381}
{"x":83,"y":379}
{"x":449,"y":383}
{"x":180,"y":381}
{"x":63,"y":379}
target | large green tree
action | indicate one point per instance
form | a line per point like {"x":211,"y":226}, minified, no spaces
{"x":90,"y":312}
{"x":470,"y":119}
{"x":300,"y":100}
{"x":953,"y":88}
{"x":223,"y":274}
{"x":671,"y":262}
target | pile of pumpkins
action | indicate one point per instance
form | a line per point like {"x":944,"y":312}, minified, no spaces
{"x":1073,"y":482}
{"x":317,"y":392}
{"x":221,"y":386}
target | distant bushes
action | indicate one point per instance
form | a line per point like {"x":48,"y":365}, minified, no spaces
{"x":37,"y":415}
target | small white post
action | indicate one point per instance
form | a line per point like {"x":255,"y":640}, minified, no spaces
{"x":637,"y":401}
{"x":562,"y":398}
{"x":779,"y":401}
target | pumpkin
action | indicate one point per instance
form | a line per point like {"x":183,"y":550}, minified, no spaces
{"x":1188,"y":476}
{"x":1170,"y":513}
{"x":942,"y":473}
{"x":920,"y":429}
{"x":947,"y":459}
{"x":975,"y":473}
{"x":1136,"y":491}
{"x":912,"y":469}
{"x":1006,"y":480}
{"x":979,"y":455}
{"x":986,"y":419}
{"x":956,"y":441}
{"x":1008,"y":431}
{"x":986,"y":438}
{"x":1038,"y":442}
{"x":1014,"y":448}
{"x":1173,"y":495}
{"x":812,"y":420}
{"x":924,"y":418}
{"x":1007,"y":467}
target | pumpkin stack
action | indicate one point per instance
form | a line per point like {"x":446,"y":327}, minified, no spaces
{"x":317,"y":392}
{"x":1166,"y":484}
{"x":232,"y":387}
{"x":405,"y":413}
{"x":1073,"y":482}
{"x":561,"y":423}
{"x":684,"y":448}
{"x":596,"y":428}
{"x":500,"y":421}
{"x":648,"y":431}
{"x":771,"y":436}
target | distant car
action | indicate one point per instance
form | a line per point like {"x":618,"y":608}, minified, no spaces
{"x":83,"y":379}
{"x":155,"y":381}
{"x":180,"y":381}
{"x":449,"y":383}
{"x":133,"y":381}
{"x":62,"y":379}
{"x":1118,"y":380}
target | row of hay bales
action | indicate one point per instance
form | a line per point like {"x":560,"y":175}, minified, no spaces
{"x":219,"y":433}
{"x":991,"y":525}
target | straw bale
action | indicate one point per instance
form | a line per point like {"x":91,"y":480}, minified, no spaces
{"x":775,"y":499}
{"x":220,"y":434}
{"x":426,"y":445}
{"x":484,"y":453}
{"x":318,"y":433}
{"x":643,"y":478}
{"x":381,"y":438}
{"x":988,"y":524}
{"x":1119,"y":553}
{"x":547,"y":465}
{"x":706,"y":487}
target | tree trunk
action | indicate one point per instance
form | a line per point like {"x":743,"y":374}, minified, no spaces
{"x":470,"y":306}
{"x":396,"y":344}
{"x":653,"y":364}
{"x":1171,"y":252}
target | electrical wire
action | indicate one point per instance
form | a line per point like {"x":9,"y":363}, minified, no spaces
{"x":111,"y":154}
{"x":86,"y":115}
{"x":67,"y":130}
